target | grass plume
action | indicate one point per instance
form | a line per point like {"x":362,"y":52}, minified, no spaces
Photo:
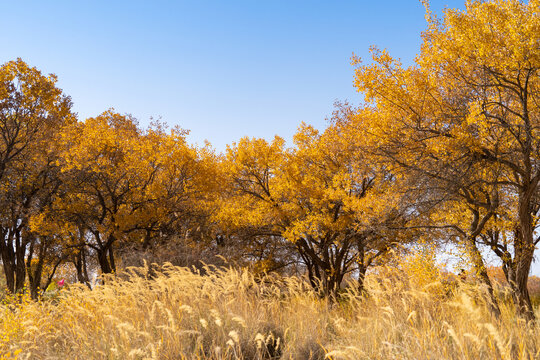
{"x":231,"y":314}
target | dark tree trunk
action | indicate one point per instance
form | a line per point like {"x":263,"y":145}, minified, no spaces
{"x":104,"y":261}
{"x":521,"y":298}
{"x":20,"y":246}
{"x":361,"y":278}
{"x":485,"y":282}
{"x":13,"y":250}
{"x":325,"y":266}
{"x":111,"y":259}
{"x":35,"y":272}
{"x":362,"y":266}
{"x":524,"y":254}
{"x":10,"y":274}
{"x":311,"y":275}
{"x":147,"y":238}
{"x":106,"y":255}
{"x":8,"y":260}
{"x":81,"y":268}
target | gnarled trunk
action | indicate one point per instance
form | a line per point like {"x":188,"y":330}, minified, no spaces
{"x":485,"y":282}
{"x":13,"y":249}
{"x":361,"y":278}
{"x":517,"y":273}
{"x":81,"y":267}
{"x":103,"y":260}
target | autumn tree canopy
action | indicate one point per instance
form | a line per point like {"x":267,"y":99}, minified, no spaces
{"x":446,"y":148}
{"x":32,"y":110}
{"x":470,"y":99}
{"x":325,"y":198}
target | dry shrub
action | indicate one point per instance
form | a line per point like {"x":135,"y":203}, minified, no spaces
{"x":231,"y":314}
{"x":178,"y":251}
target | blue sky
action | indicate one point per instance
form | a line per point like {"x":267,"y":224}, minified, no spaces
{"x":221,"y":69}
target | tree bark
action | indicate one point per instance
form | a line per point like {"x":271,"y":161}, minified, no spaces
{"x":35,"y":273}
{"x":8,"y":261}
{"x":104,"y":261}
{"x":13,"y":251}
{"x":485,"y":282}
{"x":361,"y":279}
{"x":81,"y":268}
{"x":518,"y":272}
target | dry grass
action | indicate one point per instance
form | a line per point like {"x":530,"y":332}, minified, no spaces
{"x":228,"y":314}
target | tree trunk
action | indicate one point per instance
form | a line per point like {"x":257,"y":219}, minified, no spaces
{"x":521,"y":298}
{"x":361,"y":278}
{"x":10,"y":275}
{"x":524,"y":254}
{"x":311,"y":275}
{"x":111,"y":259}
{"x":13,"y":259}
{"x":518,"y":276}
{"x":106,"y":256}
{"x":35,"y":273}
{"x":80,"y":267}
{"x":481,"y":272}
{"x":8,"y":262}
{"x":329,"y":284}
{"x":104,"y":261}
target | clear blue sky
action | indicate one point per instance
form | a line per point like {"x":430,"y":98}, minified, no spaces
{"x":222,"y":69}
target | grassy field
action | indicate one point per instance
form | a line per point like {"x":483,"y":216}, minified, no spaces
{"x":230,"y":314}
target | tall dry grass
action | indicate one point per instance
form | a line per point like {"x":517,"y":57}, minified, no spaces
{"x":230,"y":314}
